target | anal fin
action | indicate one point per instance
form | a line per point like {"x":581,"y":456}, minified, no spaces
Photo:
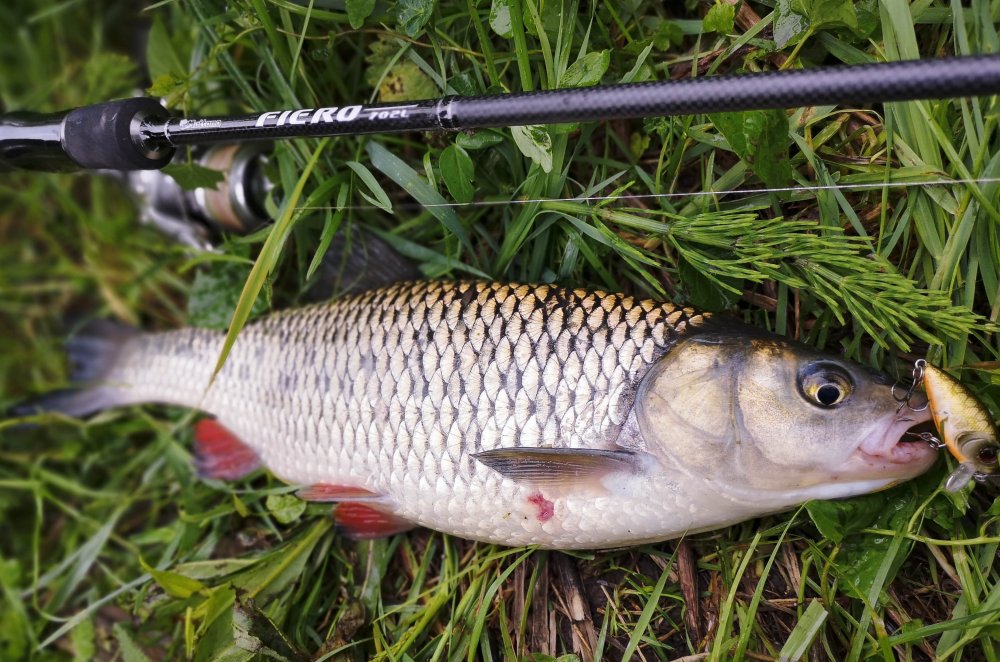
{"x":221,"y":454}
{"x":324,"y":492}
{"x":364,"y":522}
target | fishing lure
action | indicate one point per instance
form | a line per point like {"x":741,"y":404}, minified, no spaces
{"x":969,"y":432}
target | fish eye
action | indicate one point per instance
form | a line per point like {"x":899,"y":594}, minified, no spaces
{"x":825,"y":385}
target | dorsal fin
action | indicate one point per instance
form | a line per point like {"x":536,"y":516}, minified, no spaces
{"x":356,"y":260}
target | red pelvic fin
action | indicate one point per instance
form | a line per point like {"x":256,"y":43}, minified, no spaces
{"x":326,"y":492}
{"x":362,"y":522}
{"x":220,"y":454}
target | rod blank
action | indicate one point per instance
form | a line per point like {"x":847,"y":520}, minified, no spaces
{"x":883,"y":82}
{"x":139,"y":134}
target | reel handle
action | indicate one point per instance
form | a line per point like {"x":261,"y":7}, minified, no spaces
{"x":102,"y":136}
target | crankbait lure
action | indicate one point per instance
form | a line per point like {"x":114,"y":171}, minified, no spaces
{"x":969,"y":432}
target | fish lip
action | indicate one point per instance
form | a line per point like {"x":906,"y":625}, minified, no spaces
{"x":886,"y":447}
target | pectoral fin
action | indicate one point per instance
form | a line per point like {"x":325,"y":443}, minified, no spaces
{"x":558,"y":467}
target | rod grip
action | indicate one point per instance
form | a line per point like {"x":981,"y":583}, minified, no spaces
{"x":101,"y":136}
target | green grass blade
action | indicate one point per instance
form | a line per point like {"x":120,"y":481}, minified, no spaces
{"x":406,"y":177}
{"x":805,"y":631}
{"x":641,"y":625}
{"x":723,"y":643}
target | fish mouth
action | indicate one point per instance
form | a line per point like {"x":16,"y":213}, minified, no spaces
{"x":896,"y":449}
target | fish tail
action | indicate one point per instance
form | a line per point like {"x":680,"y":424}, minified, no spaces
{"x":93,"y":353}
{"x":71,"y":402}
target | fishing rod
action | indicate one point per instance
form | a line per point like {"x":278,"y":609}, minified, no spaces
{"x":140,"y":134}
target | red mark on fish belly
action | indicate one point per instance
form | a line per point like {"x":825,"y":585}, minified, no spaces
{"x":546,"y":509}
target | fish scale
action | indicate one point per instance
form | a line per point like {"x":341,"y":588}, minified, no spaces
{"x":395,"y":389}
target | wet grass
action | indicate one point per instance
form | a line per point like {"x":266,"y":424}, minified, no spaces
{"x":114,"y":549}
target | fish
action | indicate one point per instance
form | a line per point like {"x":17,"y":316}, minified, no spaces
{"x":969,"y":432}
{"x":517,"y":414}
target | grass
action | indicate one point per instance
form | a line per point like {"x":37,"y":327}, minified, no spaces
{"x":113,"y":549}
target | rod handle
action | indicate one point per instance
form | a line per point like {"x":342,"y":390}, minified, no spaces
{"x":101,"y":136}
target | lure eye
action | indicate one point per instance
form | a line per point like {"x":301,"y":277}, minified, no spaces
{"x":985,"y":450}
{"x":987,"y":454}
{"x":826,"y":385}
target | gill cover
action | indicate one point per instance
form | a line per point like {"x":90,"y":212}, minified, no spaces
{"x":760,"y":411}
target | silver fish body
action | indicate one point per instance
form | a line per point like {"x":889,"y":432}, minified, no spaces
{"x":440,"y":398}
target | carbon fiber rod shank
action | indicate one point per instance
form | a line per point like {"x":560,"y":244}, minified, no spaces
{"x":139,"y":134}
{"x":894,"y":81}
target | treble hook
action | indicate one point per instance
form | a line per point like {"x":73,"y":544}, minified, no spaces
{"x":928,"y":438}
{"x":917,"y":376}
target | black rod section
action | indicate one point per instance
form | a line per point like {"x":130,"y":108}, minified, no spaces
{"x":137,"y":134}
{"x":102,"y":136}
{"x":881,"y":82}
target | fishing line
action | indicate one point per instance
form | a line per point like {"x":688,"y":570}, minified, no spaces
{"x":815,"y":188}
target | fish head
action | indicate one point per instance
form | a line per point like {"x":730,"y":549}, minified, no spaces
{"x":776,"y":421}
{"x":964,"y":422}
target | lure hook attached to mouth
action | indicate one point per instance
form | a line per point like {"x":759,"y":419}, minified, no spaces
{"x":916,"y":381}
{"x":929,"y":439}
